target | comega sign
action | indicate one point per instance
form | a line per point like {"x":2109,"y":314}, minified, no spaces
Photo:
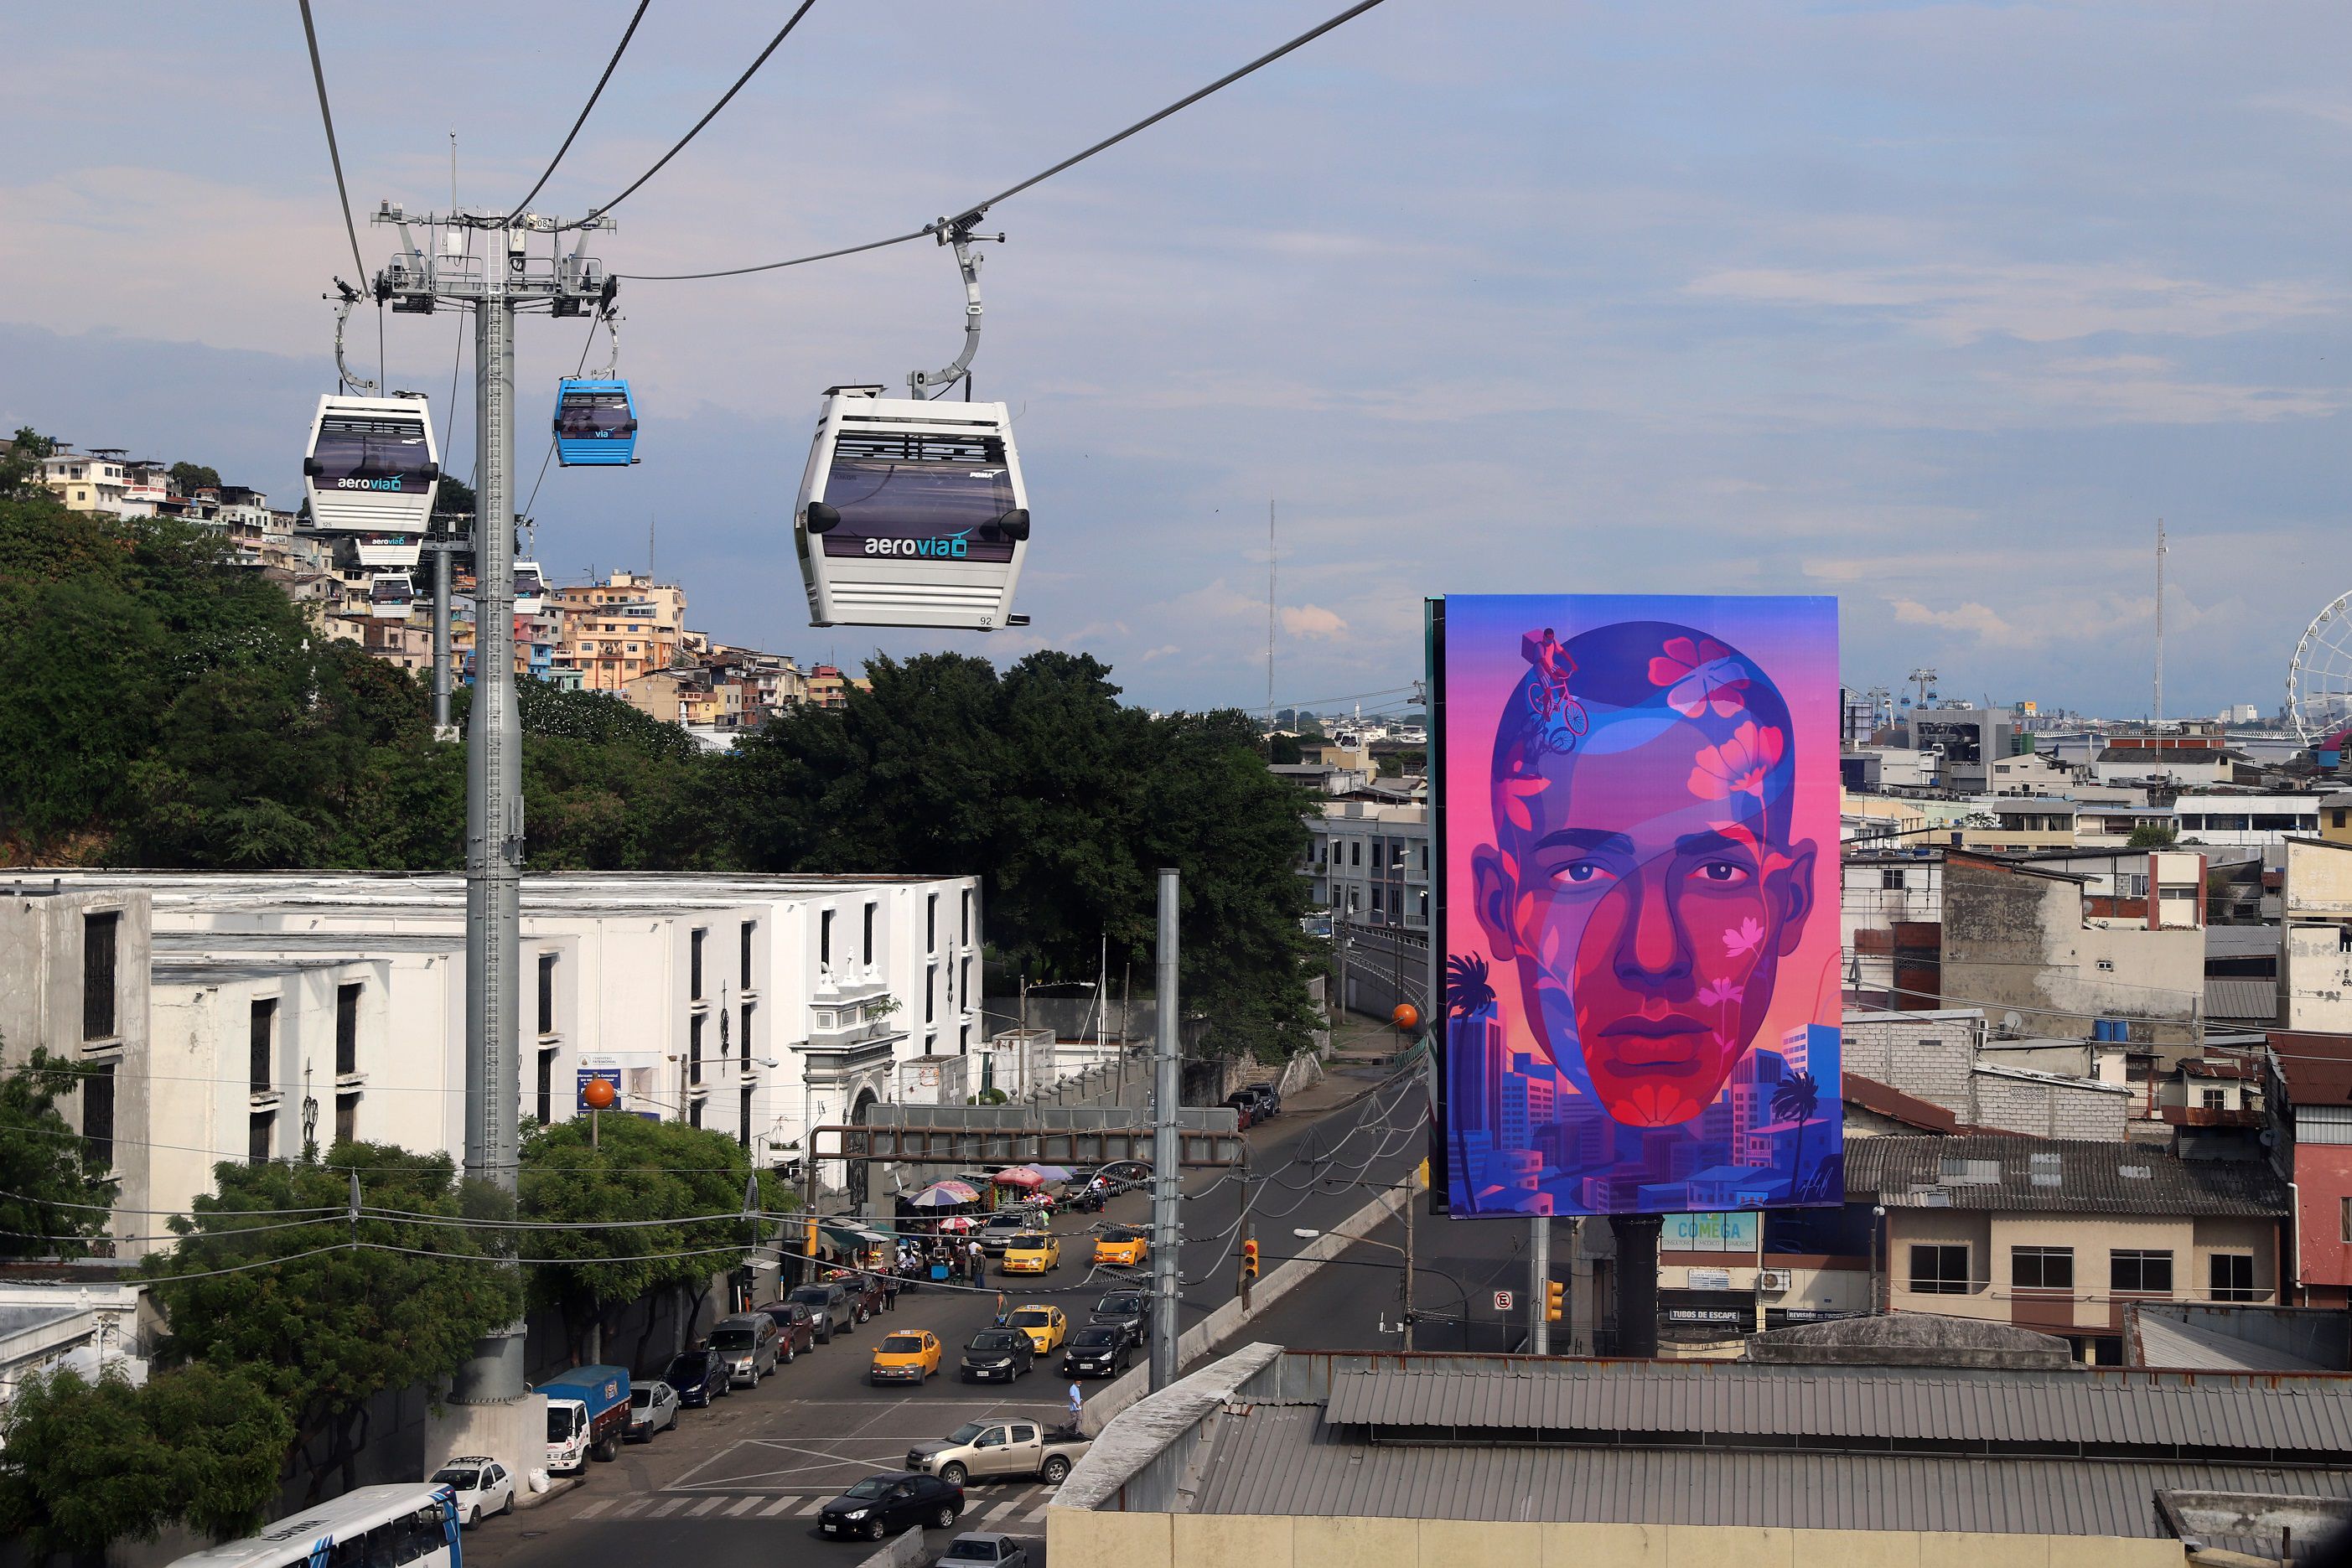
{"x":1638,"y":835}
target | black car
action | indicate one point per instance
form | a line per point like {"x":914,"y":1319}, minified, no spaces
{"x":884,"y":1505}
{"x":1245,"y":1109}
{"x":699,"y":1377}
{"x":1098,"y":1350}
{"x":1269,"y":1098}
{"x":995,"y":1354}
{"x":1129,"y":1311}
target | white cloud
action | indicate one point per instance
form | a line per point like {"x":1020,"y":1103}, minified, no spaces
{"x":1312,"y":621}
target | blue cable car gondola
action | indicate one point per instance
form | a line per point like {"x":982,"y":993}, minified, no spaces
{"x":595,"y":424}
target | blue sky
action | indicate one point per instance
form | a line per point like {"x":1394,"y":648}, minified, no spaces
{"x":1936,"y":308}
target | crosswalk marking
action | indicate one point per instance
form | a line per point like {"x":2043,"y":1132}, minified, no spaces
{"x":1002,"y":1509}
{"x":635,"y":1505}
{"x":702,"y":1508}
{"x":594,"y":1509}
{"x":746,"y":1506}
{"x":810,"y":1507}
{"x":778,"y":1507}
{"x":1039,"y":1512}
{"x":672,"y":1506}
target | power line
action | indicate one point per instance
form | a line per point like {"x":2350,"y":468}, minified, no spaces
{"x":621,"y":48}
{"x":973,"y":213}
{"x":782,"y":34}
{"x":319,"y":75}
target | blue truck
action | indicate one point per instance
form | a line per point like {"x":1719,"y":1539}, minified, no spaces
{"x":587,"y":1412}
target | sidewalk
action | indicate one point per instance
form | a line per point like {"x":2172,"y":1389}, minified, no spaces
{"x":1360,"y":1049}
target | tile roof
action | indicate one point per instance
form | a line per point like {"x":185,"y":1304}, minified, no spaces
{"x":1282,"y":1459}
{"x":2317,"y":1067}
{"x":2069,"y":1175}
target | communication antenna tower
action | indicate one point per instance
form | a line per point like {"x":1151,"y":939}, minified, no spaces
{"x":2159,"y":621}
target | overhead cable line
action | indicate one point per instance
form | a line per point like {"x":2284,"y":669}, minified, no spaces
{"x":342,"y":192}
{"x":782,"y":34}
{"x":972,"y":215}
{"x":549,"y":455}
{"x":618,"y":50}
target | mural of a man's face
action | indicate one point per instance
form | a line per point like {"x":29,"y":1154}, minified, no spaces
{"x":1643,"y":880}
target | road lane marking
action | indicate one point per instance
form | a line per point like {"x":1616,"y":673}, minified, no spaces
{"x":594,"y":1509}
{"x":635,"y":1505}
{"x":705,"y":1506}
{"x":1002,"y":1509}
{"x":746,"y":1506}
{"x":778,"y":1507}
{"x":814,"y":1505}
{"x":672,"y":1506}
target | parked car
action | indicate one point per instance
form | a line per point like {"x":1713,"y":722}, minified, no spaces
{"x":828,"y":1305}
{"x":1046,"y":1325}
{"x":1033,"y":1253}
{"x":865,"y":1293}
{"x":1130,"y":1311}
{"x":587,"y":1416}
{"x":699,"y":1377}
{"x":997,"y":1231}
{"x":1098,"y":1350}
{"x":910,"y":1355}
{"x":1122,"y":1247}
{"x":747,"y":1344}
{"x":653,"y":1407}
{"x":795,"y":1328}
{"x":1243,"y":1107}
{"x":1001,"y":1446}
{"x":983,"y":1551}
{"x":884,"y":1505}
{"x":996,"y":1354}
{"x":482,"y":1485}
{"x":1269,"y":1099}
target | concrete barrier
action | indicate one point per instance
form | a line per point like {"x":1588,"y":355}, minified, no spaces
{"x":905,"y":1552}
{"x":1230,"y":1318}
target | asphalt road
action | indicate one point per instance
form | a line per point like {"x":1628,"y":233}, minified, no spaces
{"x":740,"y":1483}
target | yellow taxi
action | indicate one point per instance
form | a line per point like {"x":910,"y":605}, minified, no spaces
{"x":1046,"y":1325}
{"x":908,"y":1356}
{"x":1122,"y":1245}
{"x":1032,"y":1252}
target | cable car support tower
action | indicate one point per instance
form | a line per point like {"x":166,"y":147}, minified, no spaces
{"x":497,"y":288}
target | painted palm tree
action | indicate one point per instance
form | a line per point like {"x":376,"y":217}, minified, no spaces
{"x":1796,"y":1100}
{"x":1468,"y":991}
{"x":1468,"y":995}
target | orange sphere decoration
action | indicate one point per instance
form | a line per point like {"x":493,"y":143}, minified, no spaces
{"x":598,"y":1095}
{"x":1406,"y":1016}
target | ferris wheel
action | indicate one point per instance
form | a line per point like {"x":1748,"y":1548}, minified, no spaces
{"x":2319,"y":677}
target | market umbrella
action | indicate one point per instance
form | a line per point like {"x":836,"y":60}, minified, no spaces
{"x":945,"y":1195}
{"x":1018,"y":1176}
{"x":956,"y":1222}
{"x":1053,"y":1172}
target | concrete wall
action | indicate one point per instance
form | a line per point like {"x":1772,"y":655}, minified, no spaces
{"x":1075,"y":1538}
{"x":2316,"y":978}
{"x":2016,"y":941}
{"x":1923,"y":1054}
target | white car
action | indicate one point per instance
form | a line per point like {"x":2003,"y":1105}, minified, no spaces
{"x":482,"y":1485}
{"x":653,"y":1407}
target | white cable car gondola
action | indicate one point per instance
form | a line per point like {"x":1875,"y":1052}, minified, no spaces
{"x":529,"y":588}
{"x":371,"y":468}
{"x":912,"y":511}
{"x":391,"y":595}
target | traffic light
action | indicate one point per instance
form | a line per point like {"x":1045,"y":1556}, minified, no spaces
{"x":1249,"y":1260}
{"x":1555,"y":1301}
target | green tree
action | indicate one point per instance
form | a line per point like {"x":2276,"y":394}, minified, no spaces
{"x":453,"y":497}
{"x":84,"y":1465}
{"x":1284,"y":748}
{"x":54,"y":1201}
{"x":331,"y":1324}
{"x":624,"y":1167}
{"x":192,"y":478}
{"x":20,"y":465}
{"x":2152,"y":836}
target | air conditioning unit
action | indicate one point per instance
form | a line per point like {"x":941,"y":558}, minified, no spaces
{"x":1772,"y":1280}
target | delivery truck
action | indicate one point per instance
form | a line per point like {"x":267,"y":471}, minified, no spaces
{"x":587,"y":1412}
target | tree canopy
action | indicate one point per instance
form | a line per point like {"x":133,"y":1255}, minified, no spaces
{"x":194,"y":476}
{"x":53,"y":1200}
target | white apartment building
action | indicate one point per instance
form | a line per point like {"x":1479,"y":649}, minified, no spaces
{"x":1368,"y":862}
{"x":2246,"y":821}
{"x":268,"y":1012}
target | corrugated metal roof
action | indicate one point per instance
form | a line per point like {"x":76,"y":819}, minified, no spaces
{"x":1726,"y":1403}
{"x":2228,"y":998}
{"x":1282,"y":1459}
{"x":1906,"y":1172}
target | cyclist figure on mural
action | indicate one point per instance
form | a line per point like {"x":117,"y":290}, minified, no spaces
{"x":1559,"y":716}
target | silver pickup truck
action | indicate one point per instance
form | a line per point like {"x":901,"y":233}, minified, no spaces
{"x":1000,"y":1446}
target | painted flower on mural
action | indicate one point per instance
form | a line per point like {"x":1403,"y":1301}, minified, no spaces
{"x":1739,"y":765}
{"x":1703,"y":676}
{"x":1743,"y":937}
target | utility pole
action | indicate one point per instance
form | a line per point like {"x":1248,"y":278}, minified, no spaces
{"x":441,"y":551}
{"x":1539,"y":1276}
{"x":416,"y":282}
{"x":1407,"y":1183}
{"x":1167,"y":1090}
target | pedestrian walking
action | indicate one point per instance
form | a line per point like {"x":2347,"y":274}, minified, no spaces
{"x":1003,"y":1309}
{"x":890,"y":1292}
{"x":979,"y":1265}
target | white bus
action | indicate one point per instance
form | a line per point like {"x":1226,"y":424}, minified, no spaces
{"x":373,"y":1527}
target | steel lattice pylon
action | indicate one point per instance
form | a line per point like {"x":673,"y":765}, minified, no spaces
{"x":2319,"y":676}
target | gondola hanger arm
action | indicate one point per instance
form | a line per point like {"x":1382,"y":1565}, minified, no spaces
{"x":957,"y":232}
{"x":345,"y":297}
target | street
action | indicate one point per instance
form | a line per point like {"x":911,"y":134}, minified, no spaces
{"x":740,"y":1482}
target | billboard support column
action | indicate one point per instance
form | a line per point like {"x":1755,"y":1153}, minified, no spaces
{"x":1637,"y":1283}
{"x":1167,"y":1091}
{"x":1538,"y":1275}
